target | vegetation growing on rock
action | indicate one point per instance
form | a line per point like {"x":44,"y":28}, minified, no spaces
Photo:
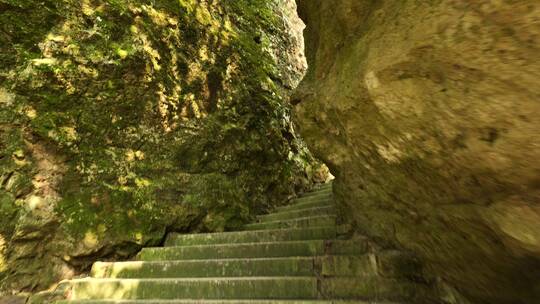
{"x":114,"y":111}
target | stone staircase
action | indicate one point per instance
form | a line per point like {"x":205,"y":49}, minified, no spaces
{"x":291,"y":256}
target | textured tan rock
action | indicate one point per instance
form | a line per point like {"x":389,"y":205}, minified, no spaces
{"x":427,"y":114}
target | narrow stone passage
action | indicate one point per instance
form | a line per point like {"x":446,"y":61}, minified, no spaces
{"x":294,"y":255}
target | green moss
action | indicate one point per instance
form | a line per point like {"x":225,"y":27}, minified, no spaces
{"x":221,"y":200}
{"x":159,"y":113}
{"x":8,"y":212}
{"x":21,"y":28}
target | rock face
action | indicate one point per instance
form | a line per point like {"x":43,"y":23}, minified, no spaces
{"x":120,"y":120}
{"x":427,"y":114}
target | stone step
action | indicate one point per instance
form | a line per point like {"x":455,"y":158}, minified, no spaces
{"x":254,"y":250}
{"x":286,"y":288}
{"x":235,"y":301}
{"x":384,"y":264}
{"x":372,"y":287}
{"x":293,"y":234}
{"x":305,"y":222}
{"x":325,"y":190}
{"x":305,"y":205}
{"x":328,"y":201}
{"x":289,"y":266}
{"x":196,"y":288}
{"x":324,"y":186}
{"x":321,"y":197}
{"x":227,"y":251}
{"x":295,"y":214}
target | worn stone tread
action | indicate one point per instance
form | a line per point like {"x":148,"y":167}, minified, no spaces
{"x":299,"y":203}
{"x":322,"y":191}
{"x":326,"y":265}
{"x":288,"y":288}
{"x":314,"y":198}
{"x":274,"y":235}
{"x":299,"y":213}
{"x":288,"y":266}
{"x":240,"y":250}
{"x":310,"y":221}
{"x":196,"y":288}
{"x":305,"y":205}
{"x":372,"y":287}
{"x":255,"y":250}
{"x":188,"y":301}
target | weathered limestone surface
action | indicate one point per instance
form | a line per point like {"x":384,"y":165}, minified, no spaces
{"x":427,"y":113}
{"x":120,"y":120}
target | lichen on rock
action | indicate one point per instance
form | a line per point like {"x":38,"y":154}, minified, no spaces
{"x":118,"y":117}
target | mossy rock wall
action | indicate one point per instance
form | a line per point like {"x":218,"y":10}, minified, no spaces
{"x":121,"y":120}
